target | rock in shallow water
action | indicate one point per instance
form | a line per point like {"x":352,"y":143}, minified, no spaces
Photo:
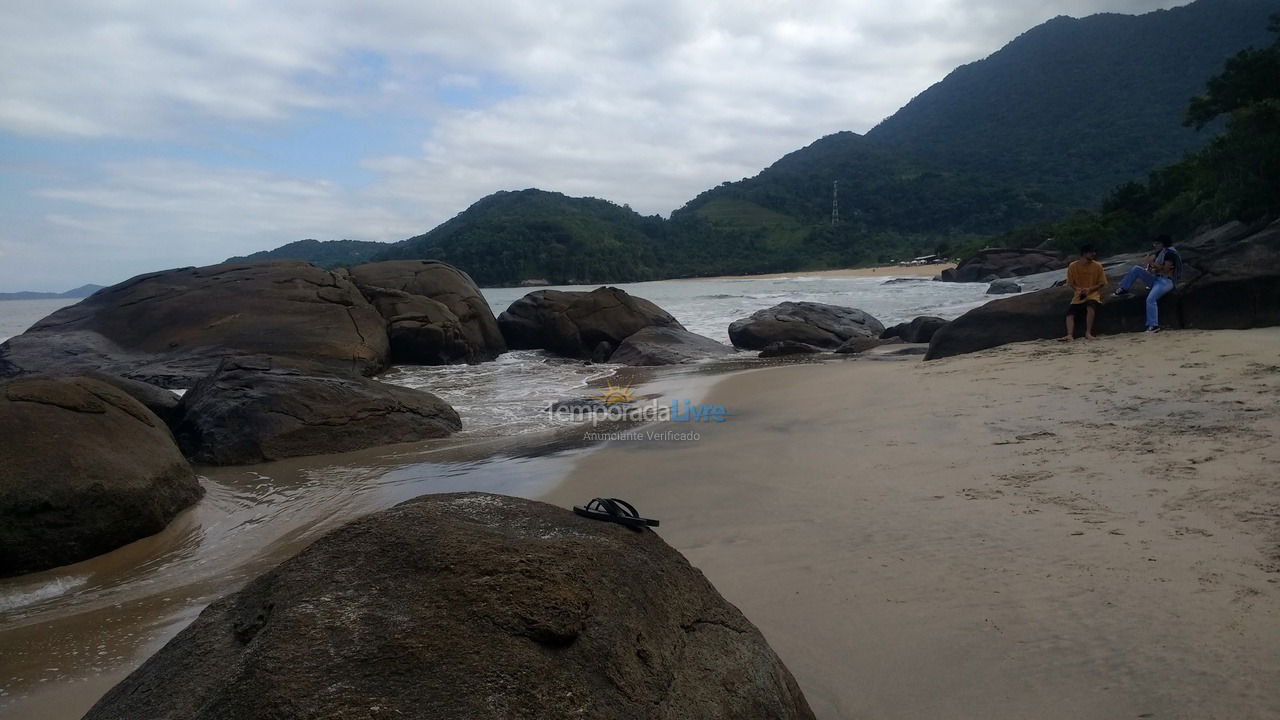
{"x":817,"y":324}
{"x":258,"y":409}
{"x":468,"y":606}
{"x":435,"y":312}
{"x":667,"y":346}
{"x":576,"y":324}
{"x":84,"y":469}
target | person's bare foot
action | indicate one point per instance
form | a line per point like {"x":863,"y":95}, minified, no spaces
{"x":1065,"y":338}
{"x":1090,"y":337}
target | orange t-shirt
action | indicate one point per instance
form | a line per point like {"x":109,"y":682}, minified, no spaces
{"x":1083,"y":274}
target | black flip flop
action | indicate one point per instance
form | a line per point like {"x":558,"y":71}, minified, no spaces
{"x":614,"y":510}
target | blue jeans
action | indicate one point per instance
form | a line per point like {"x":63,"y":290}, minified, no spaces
{"x":1157,"y":287}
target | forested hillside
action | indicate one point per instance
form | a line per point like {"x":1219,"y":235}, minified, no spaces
{"x":1074,"y":107}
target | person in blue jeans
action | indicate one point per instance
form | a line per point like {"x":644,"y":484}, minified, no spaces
{"x":1162,"y":269}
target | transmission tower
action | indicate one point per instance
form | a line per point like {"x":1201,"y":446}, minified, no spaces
{"x":835,"y":202}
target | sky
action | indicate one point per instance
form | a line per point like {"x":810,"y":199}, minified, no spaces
{"x":137,"y":136}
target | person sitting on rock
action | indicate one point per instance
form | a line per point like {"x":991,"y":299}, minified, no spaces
{"x":1087,"y":278}
{"x":1161,"y":270}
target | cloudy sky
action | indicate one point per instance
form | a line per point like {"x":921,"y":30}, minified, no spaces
{"x":137,"y":135}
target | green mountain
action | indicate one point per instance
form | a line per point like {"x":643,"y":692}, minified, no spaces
{"x":324,"y":253}
{"x":83,"y":291}
{"x":1014,"y":143}
{"x":533,"y":234}
{"x":785,"y":217}
{"x":1075,"y":107}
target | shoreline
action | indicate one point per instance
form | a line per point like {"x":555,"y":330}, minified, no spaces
{"x":920,"y":271}
{"x":1037,"y":530}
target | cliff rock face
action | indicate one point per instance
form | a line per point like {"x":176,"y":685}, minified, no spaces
{"x":468,"y":606}
{"x":84,"y":469}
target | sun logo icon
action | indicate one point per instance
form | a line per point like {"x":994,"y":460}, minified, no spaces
{"x":616,"y":394}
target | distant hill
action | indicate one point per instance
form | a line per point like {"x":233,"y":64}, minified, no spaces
{"x":324,"y":253}
{"x":81,"y":292}
{"x":534,"y":234}
{"x":1074,"y":107}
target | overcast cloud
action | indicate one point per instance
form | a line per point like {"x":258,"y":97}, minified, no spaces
{"x":142,"y":135}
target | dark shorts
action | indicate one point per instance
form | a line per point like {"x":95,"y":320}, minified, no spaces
{"x":1078,"y":309}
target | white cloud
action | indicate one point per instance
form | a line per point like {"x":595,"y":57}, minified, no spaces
{"x":645,"y":103}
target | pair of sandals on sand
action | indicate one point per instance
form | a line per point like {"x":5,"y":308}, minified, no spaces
{"x":615,"y":511}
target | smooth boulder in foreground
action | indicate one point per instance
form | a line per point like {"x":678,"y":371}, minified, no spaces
{"x":172,"y":328}
{"x":586,"y":325}
{"x":254,"y":410}
{"x":84,"y":469}
{"x":434,"y":312}
{"x":468,"y":605}
{"x":817,"y":324}
{"x":667,"y":346}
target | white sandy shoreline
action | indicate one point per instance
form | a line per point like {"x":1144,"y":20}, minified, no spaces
{"x":1039,"y":530}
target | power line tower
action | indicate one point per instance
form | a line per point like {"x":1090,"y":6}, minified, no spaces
{"x":835,"y":202}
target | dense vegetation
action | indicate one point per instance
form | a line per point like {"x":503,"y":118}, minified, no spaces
{"x":326,"y":254}
{"x":532,"y":234}
{"x":1235,"y":177}
{"x":1018,"y":140}
{"x":1075,"y":107}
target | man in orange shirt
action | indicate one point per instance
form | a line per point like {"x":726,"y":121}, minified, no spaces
{"x":1087,"y":278}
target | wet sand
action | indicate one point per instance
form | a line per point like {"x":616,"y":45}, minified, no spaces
{"x":1041,"y":530}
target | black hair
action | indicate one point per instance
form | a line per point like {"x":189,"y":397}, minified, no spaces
{"x":1087,"y":248}
{"x":1164,"y":240}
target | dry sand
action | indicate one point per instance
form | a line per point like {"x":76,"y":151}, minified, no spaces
{"x":881,"y":271}
{"x":1035,"y":531}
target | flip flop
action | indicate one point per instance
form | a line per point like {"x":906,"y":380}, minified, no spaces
{"x":614,"y":510}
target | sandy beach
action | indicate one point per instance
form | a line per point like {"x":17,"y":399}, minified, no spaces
{"x":1040,"y":530}
{"x":924,"y":271}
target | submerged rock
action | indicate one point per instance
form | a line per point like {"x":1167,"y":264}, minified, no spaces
{"x":783,"y":348}
{"x":1003,"y":287}
{"x":577,"y":324}
{"x":1231,"y":279}
{"x":172,"y":328}
{"x":817,"y":324}
{"x":258,"y":409}
{"x":84,"y":469}
{"x":435,"y":312}
{"x":667,"y":346}
{"x":468,"y":606}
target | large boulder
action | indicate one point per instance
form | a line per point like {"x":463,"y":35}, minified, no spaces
{"x":258,"y":409}
{"x":468,"y":605}
{"x":1231,"y":279}
{"x":667,"y":346}
{"x":993,"y":263}
{"x":171,"y":328}
{"x":575,"y":324}
{"x":823,"y":326}
{"x":84,"y":469}
{"x":458,"y":326}
{"x":918,"y":330}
